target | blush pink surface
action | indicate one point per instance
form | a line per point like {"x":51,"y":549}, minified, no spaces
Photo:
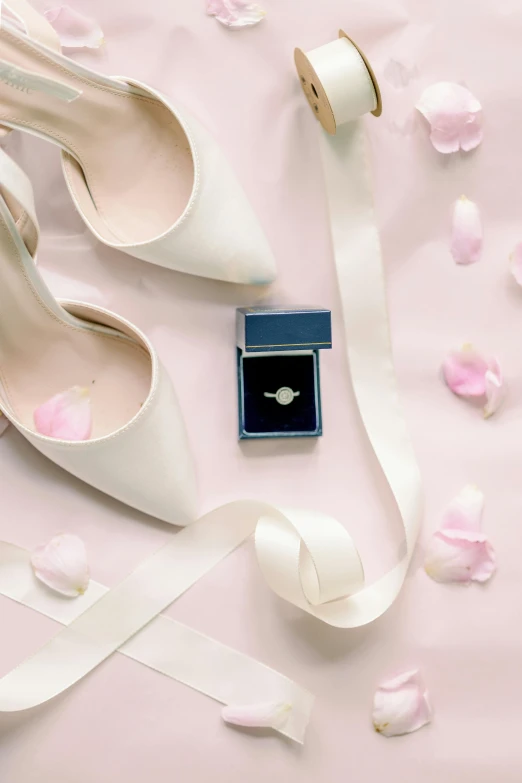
{"x":124,"y":722}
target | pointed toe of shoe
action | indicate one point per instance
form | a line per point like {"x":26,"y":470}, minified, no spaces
{"x":221,"y":236}
{"x":218,"y":234}
{"x":245,"y":255}
{"x":147,"y":464}
{"x":236,"y":249}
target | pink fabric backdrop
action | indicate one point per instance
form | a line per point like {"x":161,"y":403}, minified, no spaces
{"x":125,"y":722}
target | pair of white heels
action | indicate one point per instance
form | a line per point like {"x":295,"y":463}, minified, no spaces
{"x":146,"y":180}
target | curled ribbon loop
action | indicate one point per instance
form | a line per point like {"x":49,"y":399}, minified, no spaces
{"x":308,"y":559}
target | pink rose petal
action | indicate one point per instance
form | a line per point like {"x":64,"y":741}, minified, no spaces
{"x":495,"y":391}
{"x":75,"y":30}
{"x":61,"y":564}
{"x":470,"y":375}
{"x":515,"y":263}
{"x":445,"y":142}
{"x":456,"y":558}
{"x":471,"y":134}
{"x":454,"y":115}
{"x":466,"y":238}
{"x":465,"y":372}
{"x":401,"y":705}
{"x":235,"y":13}
{"x":266,"y":715}
{"x":459,"y":551}
{"x":66,"y":416}
{"x":4,"y":423}
{"x":465,"y":511}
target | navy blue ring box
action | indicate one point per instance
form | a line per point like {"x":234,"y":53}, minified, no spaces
{"x":278,"y":362}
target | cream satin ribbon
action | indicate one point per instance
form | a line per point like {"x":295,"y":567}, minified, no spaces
{"x":167,"y":646}
{"x":307,"y":558}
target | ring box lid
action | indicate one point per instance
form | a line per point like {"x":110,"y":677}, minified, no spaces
{"x":265,"y":328}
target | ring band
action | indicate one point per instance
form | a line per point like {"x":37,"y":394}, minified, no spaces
{"x":284,"y":396}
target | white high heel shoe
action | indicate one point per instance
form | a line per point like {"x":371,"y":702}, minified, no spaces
{"x":138,"y":452}
{"x":146,"y":178}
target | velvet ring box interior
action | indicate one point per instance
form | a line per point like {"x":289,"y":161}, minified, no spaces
{"x":278,"y":370}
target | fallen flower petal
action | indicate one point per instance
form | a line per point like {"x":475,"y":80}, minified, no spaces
{"x":235,"y":13}
{"x":455,"y":117}
{"x":466,"y":238}
{"x":401,"y":705}
{"x":266,"y":715}
{"x":465,"y":372}
{"x":515,"y":263}
{"x":75,"y":30}
{"x":470,"y":375}
{"x":66,"y":415}
{"x":4,"y":423}
{"x":471,"y":134}
{"x":459,"y":551}
{"x":459,"y":556}
{"x":494,"y":392}
{"x":445,"y":142}
{"x":465,"y":511}
{"x":62,"y":565}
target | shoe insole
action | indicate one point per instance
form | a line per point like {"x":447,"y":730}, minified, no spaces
{"x":42,"y":354}
{"x":134,"y":154}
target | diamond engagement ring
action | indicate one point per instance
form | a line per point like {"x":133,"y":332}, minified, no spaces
{"x":284,"y":396}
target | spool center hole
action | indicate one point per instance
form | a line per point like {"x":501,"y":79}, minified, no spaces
{"x":314,"y":90}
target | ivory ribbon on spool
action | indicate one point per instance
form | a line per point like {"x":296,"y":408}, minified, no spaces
{"x":307,"y":558}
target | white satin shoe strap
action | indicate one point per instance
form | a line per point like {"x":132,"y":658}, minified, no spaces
{"x":16,"y":184}
{"x":35,"y":24}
